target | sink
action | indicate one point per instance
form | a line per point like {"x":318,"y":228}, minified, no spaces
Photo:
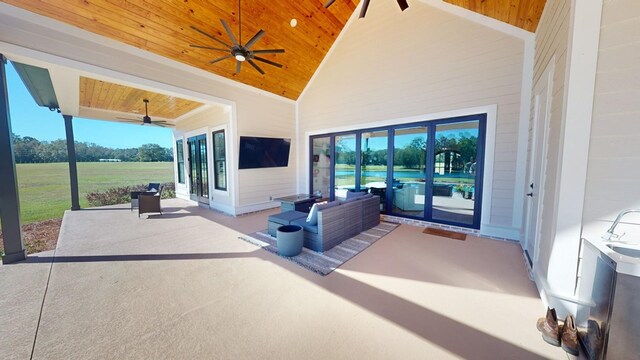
{"x":624,"y":250}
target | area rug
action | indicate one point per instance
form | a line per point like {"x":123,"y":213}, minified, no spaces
{"x":445,"y":233}
{"x":325,"y":263}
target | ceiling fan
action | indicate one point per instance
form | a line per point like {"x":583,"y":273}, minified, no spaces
{"x":365,"y":5}
{"x":239,"y":51}
{"x":146,"y":119}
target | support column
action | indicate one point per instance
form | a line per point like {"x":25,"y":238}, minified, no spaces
{"x":9,"y":202}
{"x":73,"y":168}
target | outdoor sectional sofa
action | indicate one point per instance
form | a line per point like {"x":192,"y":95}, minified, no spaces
{"x":336,"y":221}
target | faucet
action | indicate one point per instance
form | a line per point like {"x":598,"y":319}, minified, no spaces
{"x":610,"y":235}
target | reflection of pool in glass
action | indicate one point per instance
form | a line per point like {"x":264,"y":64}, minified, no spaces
{"x":383,"y":174}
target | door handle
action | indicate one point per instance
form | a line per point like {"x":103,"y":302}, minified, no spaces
{"x":530,"y":194}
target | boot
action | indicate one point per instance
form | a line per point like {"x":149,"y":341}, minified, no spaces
{"x":548,"y":326}
{"x":570,"y":336}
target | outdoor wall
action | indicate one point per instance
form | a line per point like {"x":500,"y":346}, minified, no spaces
{"x":266,"y":118}
{"x":551,"y":45}
{"x":613,"y":177}
{"x":394,"y":65}
{"x":198,"y":122}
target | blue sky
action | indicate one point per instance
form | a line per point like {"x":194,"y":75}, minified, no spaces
{"x":28,"y":119}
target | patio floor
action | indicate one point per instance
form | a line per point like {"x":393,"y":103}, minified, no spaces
{"x":182,"y":285}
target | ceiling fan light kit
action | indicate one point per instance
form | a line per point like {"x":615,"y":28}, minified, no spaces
{"x":238,"y":51}
{"x":365,"y":5}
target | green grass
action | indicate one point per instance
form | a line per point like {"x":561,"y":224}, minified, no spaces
{"x":44,"y":188}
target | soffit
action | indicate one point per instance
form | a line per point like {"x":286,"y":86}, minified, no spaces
{"x":102,"y":95}
{"x":163,"y":27}
{"x":524,"y":14}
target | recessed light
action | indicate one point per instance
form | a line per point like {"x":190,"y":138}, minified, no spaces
{"x":293,"y":22}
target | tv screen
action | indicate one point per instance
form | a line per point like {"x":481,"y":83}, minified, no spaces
{"x":261,"y":152}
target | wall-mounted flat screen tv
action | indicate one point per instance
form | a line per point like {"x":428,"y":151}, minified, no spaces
{"x":262,"y":152}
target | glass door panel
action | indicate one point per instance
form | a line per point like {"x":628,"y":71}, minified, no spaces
{"x":409,"y":171}
{"x":373,"y":164}
{"x":345,"y":165}
{"x":204,"y":191}
{"x":454,"y":172}
{"x":321,"y":167}
{"x":198,"y":169}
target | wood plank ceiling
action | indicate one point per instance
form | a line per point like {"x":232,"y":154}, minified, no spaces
{"x":524,"y":14}
{"x":163,"y":27}
{"x":96,"y":94}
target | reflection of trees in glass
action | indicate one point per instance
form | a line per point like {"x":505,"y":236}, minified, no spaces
{"x":374,"y":157}
{"x":344,"y":153}
{"x":413,"y":155}
{"x":464,"y":144}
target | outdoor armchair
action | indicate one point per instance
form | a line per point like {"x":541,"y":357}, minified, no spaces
{"x":150,"y":202}
{"x":152,"y":188}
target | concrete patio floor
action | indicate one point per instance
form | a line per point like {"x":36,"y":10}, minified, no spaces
{"x":182,"y":285}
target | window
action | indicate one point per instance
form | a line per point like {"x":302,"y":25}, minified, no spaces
{"x":220,"y":162}
{"x":180,"y":155}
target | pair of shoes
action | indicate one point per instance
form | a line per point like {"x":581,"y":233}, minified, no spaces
{"x":555,"y":333}
{"x":592,"y":339}
{"x":569,"y":336}
{"x":549,"y":328}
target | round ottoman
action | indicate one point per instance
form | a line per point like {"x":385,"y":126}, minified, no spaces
{"x":290,"y":240}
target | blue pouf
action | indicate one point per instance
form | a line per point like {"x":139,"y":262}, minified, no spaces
{"x":290,"y":240}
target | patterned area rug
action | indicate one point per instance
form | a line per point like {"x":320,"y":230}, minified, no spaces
{"x":324,"y":263}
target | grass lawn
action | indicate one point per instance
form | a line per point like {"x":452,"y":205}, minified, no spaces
{"x":44,"y":188}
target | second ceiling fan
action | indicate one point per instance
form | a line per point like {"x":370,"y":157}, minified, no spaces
{"x":241,"y":52}
{"x":365,"y":5}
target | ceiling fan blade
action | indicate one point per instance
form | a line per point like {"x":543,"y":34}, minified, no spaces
{"x":328,"y":3}
{"x":267,"y":61}
{"x":238,"y":66}
{"x":256,"y":66}
{"x":365,"y":6}
{"x":269,"y":51}
{"x":210,"y":36}
{"x":207,"y":47}
{"x":255,"y":38}
{"x":228,"y":29}
{"x":403,"y":4}
{"x":220,"y":59}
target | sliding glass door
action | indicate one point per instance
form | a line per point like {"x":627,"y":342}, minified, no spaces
{"x":455,"y":169}
{"x":198,"y":169}
{"x":409,"y":171}
{"x":430,"y":170}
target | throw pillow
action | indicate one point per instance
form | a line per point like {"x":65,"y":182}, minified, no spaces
{"x":312,"y":218}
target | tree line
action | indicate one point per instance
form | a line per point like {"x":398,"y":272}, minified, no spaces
{"x":30,"y":150}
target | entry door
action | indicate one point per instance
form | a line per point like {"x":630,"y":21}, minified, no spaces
{"x":198,"y":170}
{"x":537,"y":159}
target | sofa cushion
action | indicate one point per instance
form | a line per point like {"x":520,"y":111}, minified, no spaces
{"x":361,"y":197}
{"x":306,"y":226}
{"x":353,"y":194}
{"x":328,"y":205}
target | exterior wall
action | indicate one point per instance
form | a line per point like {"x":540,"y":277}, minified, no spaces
{"x":423,"y":61}
{"x":206,"y":121}
{"x":262,"y":117}
{"x":613,"y":178}
{"x":551,"y":44}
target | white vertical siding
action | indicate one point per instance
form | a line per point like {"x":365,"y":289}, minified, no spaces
{"x":261,"y":116}
{"x":613,"y":178}
{"x":422,"y":61}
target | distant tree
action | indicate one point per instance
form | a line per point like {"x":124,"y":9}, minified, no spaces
{"x":31,"y":150}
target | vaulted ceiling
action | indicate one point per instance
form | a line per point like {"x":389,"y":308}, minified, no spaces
{"x":163,"y":27}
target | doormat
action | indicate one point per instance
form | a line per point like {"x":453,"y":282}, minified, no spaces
{"x":324,"y":263}
{"x":445,"y":233}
